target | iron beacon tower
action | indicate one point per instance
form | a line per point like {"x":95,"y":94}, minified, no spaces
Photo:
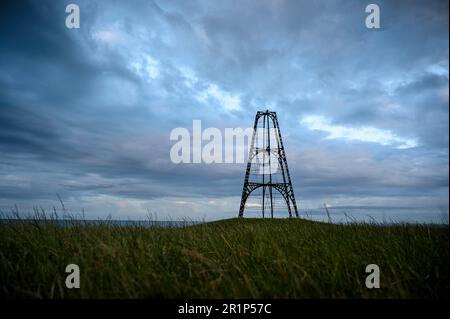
{"x":267,"y":177}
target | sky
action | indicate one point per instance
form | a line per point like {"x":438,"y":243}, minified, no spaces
{"x":86,"y":113}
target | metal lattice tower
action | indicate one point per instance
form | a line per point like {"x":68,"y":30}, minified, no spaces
{"x":272,"y":174}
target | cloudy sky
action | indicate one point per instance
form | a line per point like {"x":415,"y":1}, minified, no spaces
{"x":87,"y":113}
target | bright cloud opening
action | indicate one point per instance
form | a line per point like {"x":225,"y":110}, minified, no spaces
{"x":228,"y":101}
{"x":146,"y":67}
{"x":108,"y":37}
{"x":363,"y":134}
{"x":189,"y":77}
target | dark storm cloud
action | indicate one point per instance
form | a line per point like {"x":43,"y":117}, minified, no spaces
{"x":88,"y":112}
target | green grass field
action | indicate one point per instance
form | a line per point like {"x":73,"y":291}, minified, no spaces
{"x":246,"y":258}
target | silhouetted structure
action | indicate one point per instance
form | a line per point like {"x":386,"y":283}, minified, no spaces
{"x":267,"y":168}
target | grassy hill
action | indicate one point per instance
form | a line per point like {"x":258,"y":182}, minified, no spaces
{"x":236,"y":258}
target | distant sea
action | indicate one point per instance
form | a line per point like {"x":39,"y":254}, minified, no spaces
{"x":339,"y":215}
{"x":377,"y":215}
{"x":108,"y":222}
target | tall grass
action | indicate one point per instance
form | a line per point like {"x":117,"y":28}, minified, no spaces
{"x":236,"y":258}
